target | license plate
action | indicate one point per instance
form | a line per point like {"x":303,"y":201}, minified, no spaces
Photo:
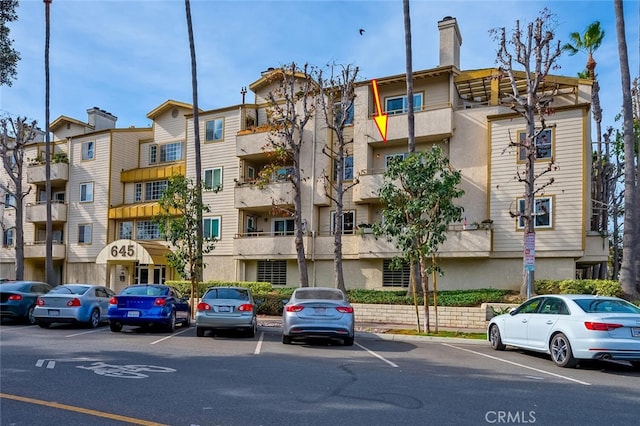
{"x":635,"y":331}
{"x":319,"y":311}
{"x":134,"y":314}
{"x":224,"y":308}
{"x":54,"y":312}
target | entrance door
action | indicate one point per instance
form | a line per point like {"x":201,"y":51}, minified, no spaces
{"x":150,"y":274}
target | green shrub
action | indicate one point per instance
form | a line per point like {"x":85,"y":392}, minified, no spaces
{"x":184,"y":287}
{"x":601,"y":287}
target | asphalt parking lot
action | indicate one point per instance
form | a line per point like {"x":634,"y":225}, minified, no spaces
{"x":69,"y":375}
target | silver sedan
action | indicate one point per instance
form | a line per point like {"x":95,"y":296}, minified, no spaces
{"x":73,"y":303}
{"x":226,"y":308}
{"x":318,"y":312}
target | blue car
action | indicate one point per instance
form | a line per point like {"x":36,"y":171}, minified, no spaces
{"x":149,"y":305}
{"x":18,"y":299}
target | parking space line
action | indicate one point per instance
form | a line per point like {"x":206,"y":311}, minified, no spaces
{"x":377,"y":355}
{"x":85,"y":332}
{"x":259,"y":345}
{"x":169,"y":336}
{"x":126,"y":419}
{"x":560,"y":376}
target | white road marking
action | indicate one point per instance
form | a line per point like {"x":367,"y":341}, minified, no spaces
{"x":259,"y":345}
{"x":560,"y":376}
{"x":376,"y":355}
{"x":50,"y":363}
{"x":169,"y":337}
{"x":85,"y":332}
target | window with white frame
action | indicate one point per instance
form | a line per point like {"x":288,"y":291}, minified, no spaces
{"x":542,"y":212}
{"x":88,"y":150}
{"x":9,"y":200}
{"x":213,"y":179}
{"x":138,"y":192}
{"x":337,"y":109}
{"x":347,"y":172}
{"x":125,"y":230}
{"x":214,"y":130}
{"x":153,"y":154}
{"x":8,"y":239}
{"x":389,"y":157}
{"x":86,"y":192}
{"x":171,"y":152}
{"x":154,"y":190}
{"x":283,"y":226}
{"x":211,"y":228}
{"x":543,"y":145}
{"x":84,"y":233}
{"x":398,"y":104}
{"x":147,"y":230}
{"x":348,"y":222}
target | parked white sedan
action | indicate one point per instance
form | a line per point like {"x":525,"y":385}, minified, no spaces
{"x":73,"y":303}
{"x":571,"y":328}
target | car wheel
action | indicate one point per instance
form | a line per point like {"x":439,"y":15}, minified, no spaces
{"x":171,"y":327}
{"x":560,"y":350}
{"x":44,"y":324}
{"x":199,"y":331}
{"x":115,"y":327}
{"x":495,"y":339}
{"x":251,"y":331}
{"x":348,"y":341}
{"x":187,"y":321}
{"x":286,"y":339}
{"x":29,"y":318}
{"x":94,"y":320}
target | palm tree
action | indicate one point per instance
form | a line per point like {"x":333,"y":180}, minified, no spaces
{"x":630,"y":269}
{"x":49,"y":272}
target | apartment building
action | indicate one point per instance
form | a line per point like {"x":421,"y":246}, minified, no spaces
{"x":105,"y":195}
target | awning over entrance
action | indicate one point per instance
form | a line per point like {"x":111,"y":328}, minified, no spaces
{"x":124,"y":251}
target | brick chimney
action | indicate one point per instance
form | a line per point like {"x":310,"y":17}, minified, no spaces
{"x":450,"y":42}
{"x":100,"y":119}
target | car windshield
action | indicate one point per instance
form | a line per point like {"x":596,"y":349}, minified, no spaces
{"x":227,"y":293}
{"x":14,"y":287}
{"x":144,"y":290}
{"x":319,"y":294}
{"x":607,"y":306}
{"x":70,"y":289}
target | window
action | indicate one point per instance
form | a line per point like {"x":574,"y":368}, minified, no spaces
{"x":171,"y":152}
{"x":337,"y":108}
{"x":58,"y":197}
{"x":348,"y":221}
{"x":88,"y":150}
{"x":543,"y":145}
{"x":9,"y":237}
{"x":283,"y":226}
{"x":125,"y":230}
{"x":154,"y":190}
{"x":213,"y":130}
{"x":84,"y":234}
{"x":153,"y":154}
{"x":395,"y":277}
{"x":9,"y":200}
{"x":347,"y":173}
{"x":398,"y":105}
{"x":251,"y":173}
{"x":147,"y":230}
{"x":86,"y":192}
{"x":389,"y":157}
{"x":283,"y":174}
{"x":541,"y":212}
{"x":213,"y":179}
{"x":211,"y":228}
{"x":138,"y":192}
{"x":272,"y":271}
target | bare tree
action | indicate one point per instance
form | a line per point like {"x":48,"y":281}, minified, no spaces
{"x":630,"y":269}
{"x":292,"y":104}
{"x":536,"y":52}
{"x":337,"y":94}
{"x":15,"y":136}
{"x":49,"y":271}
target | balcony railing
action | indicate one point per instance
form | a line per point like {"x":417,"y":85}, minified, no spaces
{"x":37,"y":250}
{"x":431,"y":120}
{"x":36,"y":174}
{"x":37,"y":212}
{"x":253,"y":195}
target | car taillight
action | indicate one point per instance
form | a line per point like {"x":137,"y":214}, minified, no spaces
{"x":601,"y":326}
{"x":159,"y":301}
{"x":74,"y":302}
{"x":113,"y":301}
{"x":294,"y":308}
{"x":345,"y":309}
{"x":203,"y":306}
{"x":40,"y":302}
{"x":247,"y":307}
{"x":15,"y":297}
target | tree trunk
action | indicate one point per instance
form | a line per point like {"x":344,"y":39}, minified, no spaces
{"x":425,"y":293}
{"x":49,"y":271}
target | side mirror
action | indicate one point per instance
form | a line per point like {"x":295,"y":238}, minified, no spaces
{"x":285,"y":301}
{"x":513,"y":311}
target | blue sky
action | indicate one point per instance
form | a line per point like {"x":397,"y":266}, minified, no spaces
{"x":128,"y":57}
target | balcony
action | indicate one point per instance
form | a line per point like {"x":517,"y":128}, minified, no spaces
{"x":37,"y":213}
{"x":37,"y":250}
{"x":596,"y":248}
{"x":252,"y":195}
{"x":431,"y":121}
{"x":36,"y":174}
{"x":251,"y":142}
{"x":368,"y":189}
{"x":266,"y":246}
